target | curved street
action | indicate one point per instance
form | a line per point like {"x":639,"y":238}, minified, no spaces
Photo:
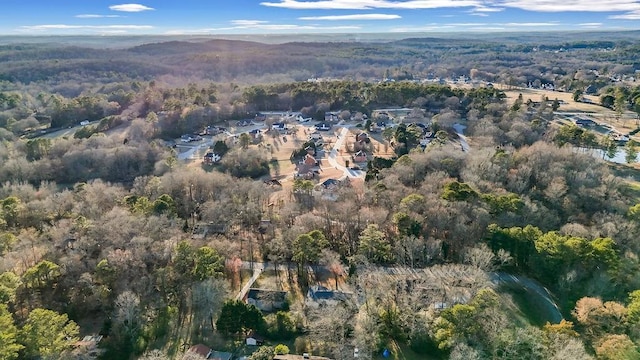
{"x":332,"y":158}
{"x":538,"y":294}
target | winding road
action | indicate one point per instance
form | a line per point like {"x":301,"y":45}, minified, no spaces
{"x":459,"y":128}
{"x":536,"y":293}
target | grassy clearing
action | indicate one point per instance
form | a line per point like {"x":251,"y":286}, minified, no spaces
{"x":521,"y":307}
{"x":632,"y":189}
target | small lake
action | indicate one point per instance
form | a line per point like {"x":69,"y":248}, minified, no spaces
{"x":619,"y":158}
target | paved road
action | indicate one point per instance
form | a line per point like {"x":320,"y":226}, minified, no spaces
{"x":459,"y":128}
{"x":537,"y":293}
{"x":66,"y":131}
{"x":334,"y":154}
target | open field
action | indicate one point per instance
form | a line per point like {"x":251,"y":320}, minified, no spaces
{"x":600,"y":114}
{"x":566,"y":97}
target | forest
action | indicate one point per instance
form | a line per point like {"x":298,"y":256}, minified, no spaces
{"x":107,"y":231}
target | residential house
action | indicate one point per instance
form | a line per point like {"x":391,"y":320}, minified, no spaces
{"x":279,"y":126}
{"x":362,"y":137}
{"x":425,"y":140}
{"x":330,"y":184}
{"x":260,"y":117}
{"x":205,"y":352}
{"x":266,"y":300}
{"x":273,"y":182}
{"x":620,"y":138}
{"x":211,"y":158}
{"x":302,"y":119}
{"x":323,"y":295}
{"x":323,"y":126}
{"x":439,"y":306}
{"x":87,"y":348}
{"x":315,"y":136}
{"x":328,"y":189}
{"x":299,"y":357}
{"x":310,"y":150}
{"x":378,"y":126}
{"x":585,"y":122}
{"x":427,"y":137}
{"x":254,"y":340}
{"x":255,"y":134}
{"x":328,"y":116}
{"x":305,"y":172}
{"x":591,"y":90}
{"x":309,"y":160}
{"x":307,"y":168}
{"x":360,"y":157}
{"x":201,"y":350}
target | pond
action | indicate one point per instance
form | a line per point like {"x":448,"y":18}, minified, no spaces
{"x":619,"y":158}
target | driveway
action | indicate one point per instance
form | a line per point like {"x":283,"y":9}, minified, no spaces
{"x":332,"y":158}
{"x":257,"y":270}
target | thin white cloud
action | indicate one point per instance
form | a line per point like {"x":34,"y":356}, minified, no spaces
{"x":632,"y":15}
{"x":85,"y":27}
{"x":593,"y":24}
{"x":371,"y":4}
{"x":468,"y":24}
{"x":488,"y":9}
{"x":414,"y":29}
{"x":531,"y":24}
{"x":474,"y":26}
{"x":573,"y":5}
{"x":631,"y":8}
{"x":487,"y":28}
{"x":130,"y":7}
{"x":248,"y":22}
{"x":425,"y":28}
{"x":96,"y":16}
{"x":484,"y":10}
{"x":261,"y":25}
{"x":113,"y":32}
{"x":353,"y":17}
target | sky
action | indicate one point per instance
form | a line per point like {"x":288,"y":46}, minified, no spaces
{"x":185,"y":17}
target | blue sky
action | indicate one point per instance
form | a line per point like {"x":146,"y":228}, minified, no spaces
{"x":93,"y":17}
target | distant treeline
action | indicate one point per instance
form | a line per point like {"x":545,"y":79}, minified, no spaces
{"x":252,"y":62}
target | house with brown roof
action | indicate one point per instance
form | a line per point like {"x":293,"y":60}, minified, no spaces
{"x":360,"y":157}
{"x":210,"y":158}
{"x":254,"y":339}
{"x":309,"y":160}
{"x":362,"y":137}
{"x":307,"y":168}
{"x":205,"y":352}
{"x":299,"y":357}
